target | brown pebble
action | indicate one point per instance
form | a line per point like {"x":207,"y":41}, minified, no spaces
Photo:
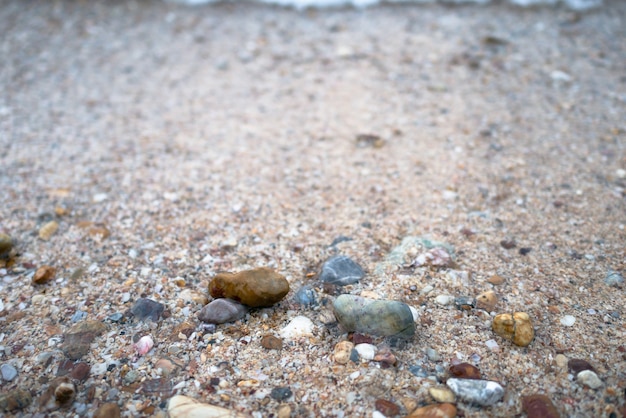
{"x":260,"y":287}
{"x":15,"y":399}
{"x":517,"y":328}
{"x":577,"y":365}
{"x":539,"y":406}
{"x":78,"y":340}
{"x":44,"y":274}
{"x":442,"y":410}
{"x":385,"y":357}
{"x":487,"y":300}
{"x":271,"y":343}
{"x":65,"y":393}
{"x":387,"y":408}
{"x":166,"y":365}
{"x":108,"y":410}
{"x":6,"y":244}
{"x":80,"y":371}
{"x":46,"y":231}
{"x":465,"y":371}
{"x":496,"y":280}
{"x":357,"y":338}
{"x":508,"y":244}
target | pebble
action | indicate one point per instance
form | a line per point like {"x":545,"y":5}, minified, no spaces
{"x":300,"y":326}
{"x":443,"y":410}
{"x":465,"y":371}
{"x":143,"y":345}
{"x":47,"y":230}
{"x":342,"y":351}
{"x":517,"y":328}
{"x":44,"y":274}
{"x":15,"y":399}
{"x":578,"y":365}
{"x":8,"y":372}
{"x":444,"y":300}
{"x":496,"y":280}
{"x":568,"y":320}
{"x":341,"y":270}
{"x":131,"y":377}
{"x":284,"y":411}
{"x":387,"y":408}
{"x":366,"y":351}
{"x":6,"y":245}
{"x":418,"y":371}
{"x":108,"y":410}
{"x":435,"y":257}
{"x":77,"y":340}
{"x":61,"y":392}
{"x":589,"y":379}
{"x":281,"y":393}
{"x":180,"y":406}
{"x":260,"y":287}
{"x":221,"y":311}
{"x":80,"y":371}
{"x":385,"y":357}
{"x":116,"y":317}
{"x":147,"y":309}
{"x":539,"y":406}
{"x":306,"y":296}
{"x":188,"y":295}
{"x":375,"y":317}
{"x":271,"y":343}
{"x":432,"y":354}
{"x":465,"y":303}
{"x":442,"y":395}
{"x":561,"y":361}
{"x":613,"y":278}
{"x":479,"y":392}
{"x":487,"y":300}
{"x":78,"y":316}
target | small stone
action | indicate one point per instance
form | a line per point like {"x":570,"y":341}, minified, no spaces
{"x":508,"y":244}
{"x":487,"y":300}
{"x":341,"y":353}
{"x":366,"y":351}
{"x":78,"y":316}
{"x":479,"y":392}
{"x":15,"y":399}
{"x":568,"y":320}
{"x":65,"y":393}
{"x":576,"y":366}
{"x":465,"y":371}
{"x":180,"y":406}
{"x":271,"y":343}
{"x":432,"y":354}
{"x":281,"y":393}
{"x":191,"y":296}
{"x":443,"y":410}
{"x":147,"y":309}
{"x":613,"y":278}
{"x":131,"y":377}
{"x":8,"y":372}
{"x":306,"y":296}
{"x":221,"y":311}
{"x":435,"y":257}
{"x":465,"y":303}
{"x":561,"y":361}
{"x":108,"y":410}
{"x":284,"y":411}
{"x":341,"y":270}
{"x":6,"y":245}
{"x":517,"y":328}
{"x":442,"y":395}
{"x":539,"y":406}
{"x":444,"y":300}
{"x":116,"y":317}
{"x":357,"y":338}
{"x":143,"y":345}
{"x":260,"y":287}
{"x":385,"y":357}
{"x":60,"y":393}
{"x":363,"y":140}
{"x":47,"y":230}
{"x":589,"y":379}
{"x":492,"y":345}
{"x":374,"y":317}
{"x":418,"y":371}
{"x":496,"y":280}
{"x":80,"y":371}
{"x":44,"y":274}
{"x":78,"y":340}
{"x":387,"y":408}
{"x":300,"y":326}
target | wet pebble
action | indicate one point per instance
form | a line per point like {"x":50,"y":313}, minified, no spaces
{"x":539,"y":406}
{"x":568,"y":320}
{"x":306,"y":296}
{"x":77,"y":341}
{"x":180,"y":406}
{"x":517,"y":328}
{"x":374,"y":317}
{"x":341,"y":270}
{"x":147,"y":309}
{"x":221,"y":311}
{"x":613,"y":278}
{"x":465,"y":371}
{"x":260,"y":287}
{"x":108,"y":410}
{"x":281,"y":393}
{"x":443,"y":410}
{"x":366,"y":351}
{"x":300,"y":326}
{"x":8,"y":372}
{"x":387,"y":408}
{"x":6,"y":245}
{"x":442,"y":395}
{"x":342,"y":351}
{"x":589,"y":379}
{"x":44,"y":274}
{"x":479,"y":392}
{"x":271,"y":343}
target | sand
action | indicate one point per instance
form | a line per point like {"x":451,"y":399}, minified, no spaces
{"x":172,"y":142}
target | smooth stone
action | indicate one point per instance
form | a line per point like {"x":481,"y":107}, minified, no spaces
{"x":300,"y":326}
{"x":517,"y":328}
{"x":613,"y":278}
{"x":432,"y":354}
{"x":15,"y":399}
{"x":568,"y":320}
{"x":180,"y":406}
{"x":8,"y":372}
{"x":108,"y":410}
{"x":281,"y":393}
{"x":271,"y":343}
{"x":221,"y":311}
{"x":342,"y":352}
{"x":341,"y":270}
{"x":465,"y":371}
{"x":539,"y":406}
{"x":44,"y":274}
{"x":444,"y":300}
{"x":147,"y":309}
{"x":375,"y":317}
{"x":116,"y":317}
{"x":78,"y":316}
{"x":589,"y":379}
{"x":418,"y":371}
{"x":576,"y":366}
{"x":442,"y":395}
{"x":6,"y":244}
{"x":487,"y":300}
{"x":387,"y":408}
{"x":306,"y":296}
{"x":443,"y":410}
{"x":561,"y":361}
{"x":80,"y":371}
{"x":479,"y":392}
{"x":465,"y":303}
{"x":260,"y":287}
{"x":78,"y":339}
{"x":366,"y":351}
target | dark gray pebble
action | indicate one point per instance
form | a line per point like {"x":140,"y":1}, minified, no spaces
{"x":306,"y":296}
{"x":613,"y":278}
{"x":116,"y":317}
{"x":147,"y":309}
{"x":465,"y":303}
{"x":221,"y":311}
{"x":281,"y":393}
{"x":341,"y":270}
{"x":418,"y":371}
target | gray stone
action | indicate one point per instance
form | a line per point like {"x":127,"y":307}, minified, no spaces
{"x":341,"y":270}
{"x":589,"y":379}
{"x":306,"y":296}
{"x":221,"y":311}
{"x":8,"y":372}
{"x":147,"y":309}
{"x":479,"y":392}
{"x":613,"y":278}
{"x":375,"y":317}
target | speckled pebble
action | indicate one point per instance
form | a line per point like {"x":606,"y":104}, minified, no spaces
{"x":539,"y":406}
{"x":8,"y":372}
{"x":487,"y":301}
{"x":342,"y":351}
{"x":568,"y":320}
{"x":479,"y":392}
{"x":589,"y":379}
{"x":341,"y":270}
{"x":306,"y":296}
{"x":147,"y":309}
{"x":281,"y":393}
{"x":221,"y":311}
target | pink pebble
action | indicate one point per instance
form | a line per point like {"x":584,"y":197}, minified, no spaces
{"x":144,"y":345}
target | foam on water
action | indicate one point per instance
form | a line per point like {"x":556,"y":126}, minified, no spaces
{"x":302,"y":4}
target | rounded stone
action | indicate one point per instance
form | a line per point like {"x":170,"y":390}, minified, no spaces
{"x":300,"y":326}
{"x":517,"y":328}
{"x":487,"y":300}
{"x":108,"y":410}
{"x":260,"y":287}
{"x":539,"y":406}
{"x":496,"y":280}
{"x":281,"y":393}
{"x":341,"y":270}
{"x":180,"y":406}
{"x":8,"y":372}
{"x":568,"y":320}
{"x":366,"y":351}
{"x":6,"y":244}
{"x":479,"y":392}
{"x":271,"y":343}
{"x":374,"y":317}
{"x":576,"y":366}
{"x":341,"y":353}
{"x":465,"y":371}
{"x":589,"y":379}
{"x":443,"y":410}
{"x":442,"y":395}
{"x":306,"y":296}
{"x":613,"y":278}
{"x":147,"y":309}
{"x":44,"y":274}
{"x":221,"y":311}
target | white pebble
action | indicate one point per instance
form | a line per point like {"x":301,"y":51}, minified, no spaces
{"x":366,"y":351}
{"x":377,"y":414}
{"x":300,"y":326}
{"x":98,"y":369}
{"x":568,"y":320}
{"x":427,"y":289}
{"x":589,"y":379}
{"x":414,"y":312}
{"x":492,"y":345}
{"x":444,"y":299}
